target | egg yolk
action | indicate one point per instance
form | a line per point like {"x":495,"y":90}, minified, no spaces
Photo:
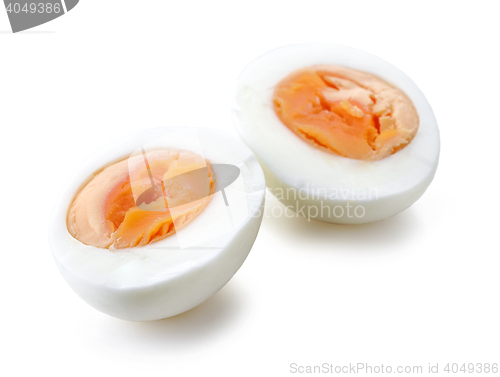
{"x":134,"y":202}
{"x":342,"y":116}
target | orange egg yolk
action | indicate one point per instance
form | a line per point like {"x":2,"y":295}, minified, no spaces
{"x":128,"y":205}
{"x":338,"y":115}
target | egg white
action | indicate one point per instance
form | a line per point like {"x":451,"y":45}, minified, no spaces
{"x":307,"y":179}
{"x":173,"y":275}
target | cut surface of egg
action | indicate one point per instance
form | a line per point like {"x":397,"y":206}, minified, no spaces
{"x":141,"y":199}
{"x":158,"y":222}
{"x":342,"y":135}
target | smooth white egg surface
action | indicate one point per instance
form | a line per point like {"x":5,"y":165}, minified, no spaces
{"x":172,"y":275}
{"x":321,"y":185}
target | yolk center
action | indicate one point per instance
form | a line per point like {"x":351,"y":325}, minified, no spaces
{"x":334,"y":114}
{"x":132,"y":204}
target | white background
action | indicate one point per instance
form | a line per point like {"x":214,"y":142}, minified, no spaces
{"x":419,"y":288}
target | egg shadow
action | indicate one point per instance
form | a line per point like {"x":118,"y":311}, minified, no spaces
{"x":185,"y":333}
{"x":370,"y":237}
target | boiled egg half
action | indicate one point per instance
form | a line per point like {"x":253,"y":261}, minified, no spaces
{"x":157,"y":222}
{"x":342,"y":135}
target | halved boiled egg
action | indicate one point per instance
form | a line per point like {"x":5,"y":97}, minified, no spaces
{"x":158,"y":222}
{"x":342,"y":135}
